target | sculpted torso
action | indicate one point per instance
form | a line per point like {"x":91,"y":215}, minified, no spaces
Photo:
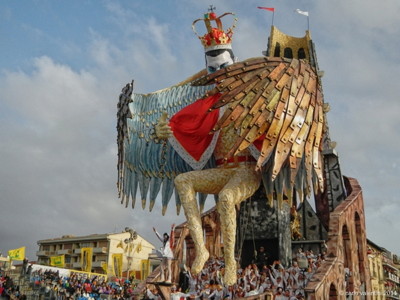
{"x":226,"y":140}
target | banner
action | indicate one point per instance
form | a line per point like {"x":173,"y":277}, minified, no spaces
{"x":139,"y":247}
{"x":89,"y":275}
{"x":104,"y":266}
{"x":86,"y":259}
{"x":17,"y":254}
{"x":57,"y":261}
{"x":117,"y":264}
{"x":145,"y":268}
{"x":68,"y":272}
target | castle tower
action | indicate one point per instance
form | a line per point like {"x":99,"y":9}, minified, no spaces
{"x":283,"y":45}
{"x":314,"y":226}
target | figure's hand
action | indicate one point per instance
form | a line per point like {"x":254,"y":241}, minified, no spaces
{"x":173,"y":226}
{"x":162,"y":129}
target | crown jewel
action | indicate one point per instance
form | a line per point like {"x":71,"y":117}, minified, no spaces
{"x":216,"y":37}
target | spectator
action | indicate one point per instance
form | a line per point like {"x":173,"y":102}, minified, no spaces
{"x":261,"y":258}
{"x":166,"y":253}
{"x":177,"y":294}
{"x":184,"y":279}
{"x":279,"y":294}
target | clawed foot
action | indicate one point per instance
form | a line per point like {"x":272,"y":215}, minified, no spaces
{"x":200,"y":260}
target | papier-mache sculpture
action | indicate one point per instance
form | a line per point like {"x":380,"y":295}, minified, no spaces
{"x":230,"y":127}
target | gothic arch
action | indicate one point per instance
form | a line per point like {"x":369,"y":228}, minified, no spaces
{"x":347,"y":259}
{"x":277,"y":52}
{"x":360,"y":246}
{"x":333,"y":294}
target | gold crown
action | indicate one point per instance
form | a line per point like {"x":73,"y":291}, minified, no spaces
{"x":216,"y":37}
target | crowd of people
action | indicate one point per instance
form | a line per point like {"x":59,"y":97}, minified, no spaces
{"x":78,"y":286}
{"x":257,"y":278}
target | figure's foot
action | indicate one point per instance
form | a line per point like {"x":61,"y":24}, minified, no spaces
{"x":230,"y":276}
{"x":200,"y":260}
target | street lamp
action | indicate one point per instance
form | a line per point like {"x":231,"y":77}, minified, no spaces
{"x":129,"y":241}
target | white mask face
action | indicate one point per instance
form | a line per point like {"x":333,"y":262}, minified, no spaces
{"x":215,"y":63}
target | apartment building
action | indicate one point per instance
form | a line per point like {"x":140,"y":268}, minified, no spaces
{"x":122,"y":254}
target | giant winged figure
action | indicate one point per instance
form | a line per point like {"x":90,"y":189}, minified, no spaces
{"x":230,"y":127}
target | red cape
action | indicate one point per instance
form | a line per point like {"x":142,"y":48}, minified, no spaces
{"x":192,"y":125}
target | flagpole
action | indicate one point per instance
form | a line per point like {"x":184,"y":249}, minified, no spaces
{"x":308,"y":23}
{"x":273,"y":14}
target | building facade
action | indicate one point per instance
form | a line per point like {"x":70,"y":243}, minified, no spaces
{"x":376,"y":270}
{"x":122,"y":254}
{"x":391,"y":275}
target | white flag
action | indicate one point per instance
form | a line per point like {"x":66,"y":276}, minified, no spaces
{"x":305,"y":13}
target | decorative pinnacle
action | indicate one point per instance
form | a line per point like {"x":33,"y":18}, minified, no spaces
{"x":211,"y":8}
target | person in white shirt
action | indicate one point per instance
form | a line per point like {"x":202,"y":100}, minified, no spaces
{"x":152,"y":294}
{"x":166,"y":253}
{"x":177,"y":294}
{"x":279,"y":294}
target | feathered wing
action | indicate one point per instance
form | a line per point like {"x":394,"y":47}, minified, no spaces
{"x":145,"y":164}
{"x":277,"y":104}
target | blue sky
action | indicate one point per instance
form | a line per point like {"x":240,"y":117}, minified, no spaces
{"x":63,"y":65}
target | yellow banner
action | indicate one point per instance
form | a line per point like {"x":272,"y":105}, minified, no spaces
{"x":145,"y":268}
{"x":139,"y":247}
{"x":104,"y":266}
{"x":117,"y":264}
{"x":57,"y":261}
{"x":17,"y":254}
{"x":86,"y":259}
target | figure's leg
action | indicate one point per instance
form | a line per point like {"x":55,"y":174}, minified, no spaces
{"x":187,"y":184}
{"x":241,"y":186}
{"x":169,"y":271}
{"x":162,"y":275}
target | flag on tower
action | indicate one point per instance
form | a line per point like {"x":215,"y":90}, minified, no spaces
{"x":304,"y":13}
{"x":269,"y":9}
{"x":266,"y":8}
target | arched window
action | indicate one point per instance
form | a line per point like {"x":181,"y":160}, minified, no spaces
{"x":288,"y":53}
{"x":333,"y":294}
{"x":348,"y":278}
{"x":277,"y":52}
{"x":301,"y":54}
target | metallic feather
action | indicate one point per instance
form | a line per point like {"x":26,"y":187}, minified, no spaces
{"x":280,"y":101}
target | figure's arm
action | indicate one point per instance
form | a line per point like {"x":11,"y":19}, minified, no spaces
{"x":295,"y":277}
{"x":273,"y":279}
{"x":184,"y":295}
{"x":158,"y":235}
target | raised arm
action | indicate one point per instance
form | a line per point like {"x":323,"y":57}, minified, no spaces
{"x":158,"y":235}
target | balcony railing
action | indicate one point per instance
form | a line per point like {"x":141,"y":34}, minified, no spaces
{"x":64,"y":251}
{"x":100,"y":250}
{"x":77,"y":265}
{"x":98,"y":264}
